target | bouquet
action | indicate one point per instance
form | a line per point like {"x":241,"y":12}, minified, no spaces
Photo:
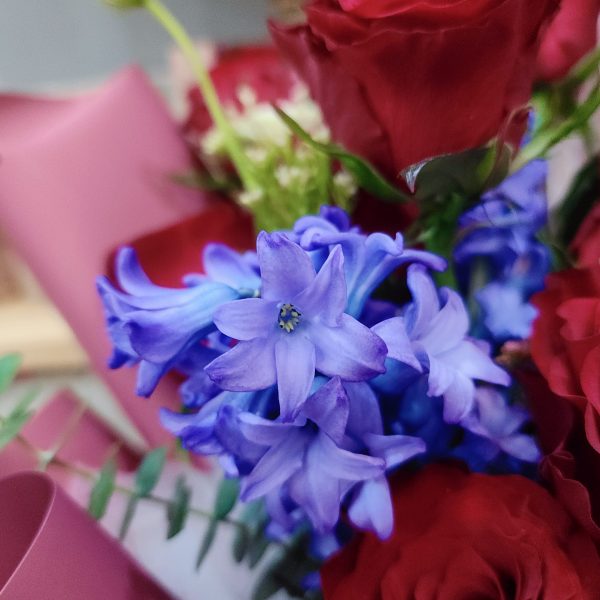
{"x":393,"y":352}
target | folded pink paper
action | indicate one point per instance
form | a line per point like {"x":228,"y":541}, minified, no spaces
{"x":79,"y":178}
{"x":52,"y":550}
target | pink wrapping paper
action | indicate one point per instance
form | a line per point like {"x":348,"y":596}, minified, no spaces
{"x":51,"y":550}
{"x":79,"y":178}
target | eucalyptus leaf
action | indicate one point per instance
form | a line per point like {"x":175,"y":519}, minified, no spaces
{"x":178,"y":508}
{"x":366,"y":175}
{"x":253,"y":520}
{"x":103,"y":490}
{"x":227,"y":495}
{"x":9,"y":366}
{"x":269,"y":583}
{"x":257,"y":549}
{"x":11,"y":426}
{"x":149,"y":471}
{"x":132,"y":505}
{"x":207,"y":541}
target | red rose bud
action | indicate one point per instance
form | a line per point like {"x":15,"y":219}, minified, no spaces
{"x":400,"y":81}
{"x":570,"y":36}
{"x":462,"y":535}
{"x":586,"y":244}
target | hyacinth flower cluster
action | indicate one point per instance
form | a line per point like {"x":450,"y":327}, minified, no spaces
{"x":308,"y":388}
{"x":499,"y":248}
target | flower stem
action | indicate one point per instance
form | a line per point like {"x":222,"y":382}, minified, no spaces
{"x":164,"y":16}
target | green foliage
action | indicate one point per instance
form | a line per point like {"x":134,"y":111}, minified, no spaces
{"x":11,"y":426}
{"x":146,"y":478}
{"x":227,"y":496}
{"x":468,"y":174}
{"x":178,"y":508}
{"x":9,"y":366}
{"x":581,"y":197}
{"x":365,"y":174}
{"x":103,"y":489}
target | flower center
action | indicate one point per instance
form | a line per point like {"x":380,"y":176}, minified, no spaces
{"x":289,"y":317}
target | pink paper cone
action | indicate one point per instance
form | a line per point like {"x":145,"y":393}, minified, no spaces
{"x":51,"y":550}
{"x":79,"y":178}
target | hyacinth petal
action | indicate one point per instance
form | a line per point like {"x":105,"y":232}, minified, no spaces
{"x":148,"y":376}
{"x":263,"y":431}
{"x":365,"y":414}
{"x":459,"y":398}
{"x":448,"y":327}
{"x":248,"y":366}
{"x":521,"y":446}
{"x":159,"y":335}
{"x":325,"y":296}
{"x":394,"y":449}
{"x":351,"y":350}
{"x":428,"y":259}
{"x":372,"y":508}
{"x":470,"y":360}
{"x":425,"y":303}
{"x":131,"y":276}
{"x":285,"y":268}
{"x":275,"y":467}
{"x":495,"y":416}
{"x":247,"y":318}
{"x":329,"y":408}
{"x":226,"y":266}
{"x":393,"y":333}
{"x":295,"y":364}
{"x":440,"y":376}
{"x":345,"y":465}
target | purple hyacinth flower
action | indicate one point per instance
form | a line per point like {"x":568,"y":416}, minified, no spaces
{"x":371,"y":507}
{"x":155,"y":325}
{"x":493,"y":419}
{"x":431,"y":337}
{"x":296,"y":326}
{"x":368,"y":259}
{"x":308,"y":457}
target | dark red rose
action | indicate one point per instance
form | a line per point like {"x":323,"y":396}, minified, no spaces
{"x":464,"y":536}
{"x":571,"y":35}
{"x":260,"y":68}
{"x":570,"y":466}
{"x":586,"y":244}
{"x":565,"y":343}
{"x":400,"y":81}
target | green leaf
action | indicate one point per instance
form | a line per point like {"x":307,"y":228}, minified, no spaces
{"x":128,"y":517}
{"x":367,"y":177}
{"x":11,"y":426}
{"x":253,"y":520}
{"x":178,"y":508}
{"x":9,"y":366}
{"x":207,"y":541}
{"x":269,"y":582}
{"x":227,"y":496}
{"x":257,"y":550}
{"x":467,"y":173}
{"x":241,"y":542}
{"x":103,"y":490}
{"x":149,"y":471}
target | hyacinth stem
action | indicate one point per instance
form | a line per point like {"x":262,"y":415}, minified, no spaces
{"x":175,"y":29}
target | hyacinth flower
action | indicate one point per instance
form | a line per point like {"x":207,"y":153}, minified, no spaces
{"x":431,"y":338}
{"x":308,"y":456}
{"x":157,"y":326}
{"x":368,"y":259}
{"x":500,"y":424}
{"x":297,"y":326}
{"x":499,"y":243}
{"x":371,"y":508}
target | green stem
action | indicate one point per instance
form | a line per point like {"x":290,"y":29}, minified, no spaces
{"x":164,"y":16}
{"x":588,"y":65}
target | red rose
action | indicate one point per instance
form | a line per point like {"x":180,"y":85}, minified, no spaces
{"x":565,"y":343}
{"x":400,"y":81}
{"x":260,"y":68}
{"x":570,"y":466}
{"x":460,"y":535}
{"x":586,"y":244}
{"x":571,"y":35}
